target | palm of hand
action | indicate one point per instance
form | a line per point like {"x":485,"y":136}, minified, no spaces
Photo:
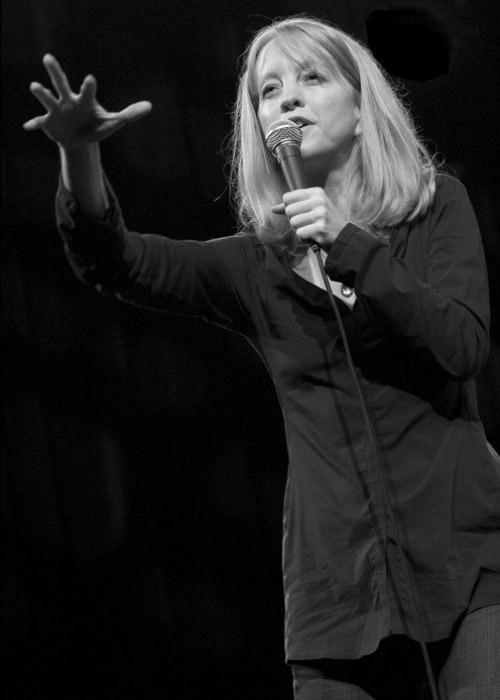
{"x":76,"y":119}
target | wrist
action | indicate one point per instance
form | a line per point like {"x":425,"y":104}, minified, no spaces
{"x":82,"y":175}
{"x":82,"y":153}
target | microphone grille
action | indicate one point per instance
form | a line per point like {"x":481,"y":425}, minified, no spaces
{"x":281,"y":131}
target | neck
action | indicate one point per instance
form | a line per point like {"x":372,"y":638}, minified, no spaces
{"x":336,"y":185}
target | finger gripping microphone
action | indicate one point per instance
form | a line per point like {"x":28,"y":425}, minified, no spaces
{"x":283,"y":139}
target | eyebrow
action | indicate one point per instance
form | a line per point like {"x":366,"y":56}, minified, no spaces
{"x":299,"y":66}
{"x":267,"y":76}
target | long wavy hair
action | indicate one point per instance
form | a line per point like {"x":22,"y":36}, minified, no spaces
{"x":393,"y":178}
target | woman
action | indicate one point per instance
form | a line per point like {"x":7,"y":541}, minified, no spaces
{"x":389,"y":499}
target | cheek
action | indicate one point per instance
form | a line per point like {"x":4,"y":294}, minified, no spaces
{"x":265,"y":117}
{"x":260,"y":117}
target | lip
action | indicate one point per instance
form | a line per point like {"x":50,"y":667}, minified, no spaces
{"x":301,"y":122}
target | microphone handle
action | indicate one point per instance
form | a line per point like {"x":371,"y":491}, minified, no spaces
{"x":292,"y":167}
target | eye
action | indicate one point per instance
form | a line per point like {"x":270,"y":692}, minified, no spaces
{"x":313,"y":76}
{"x":268,"y":90}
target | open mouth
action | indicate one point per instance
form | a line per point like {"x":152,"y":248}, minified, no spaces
{"x":301,"y":123}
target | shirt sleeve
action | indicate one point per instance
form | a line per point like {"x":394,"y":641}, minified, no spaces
{"x":437,"y":298}
{"x":209,"y":279}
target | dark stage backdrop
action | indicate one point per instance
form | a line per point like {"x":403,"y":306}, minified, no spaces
{"x":143,"y":455}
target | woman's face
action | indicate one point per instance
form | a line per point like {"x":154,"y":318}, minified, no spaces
{"x":323,"y":107}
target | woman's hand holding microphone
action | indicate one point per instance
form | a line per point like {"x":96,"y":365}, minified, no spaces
{"x":312,"y":215}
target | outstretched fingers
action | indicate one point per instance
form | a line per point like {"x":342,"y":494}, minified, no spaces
{"x":57,"y":76}
{"x":44,"y":96}
{"x":77,"y":118}
{"x":88,"y":90}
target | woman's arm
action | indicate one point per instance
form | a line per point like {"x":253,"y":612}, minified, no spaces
{"x":203,"y":279}
{"x":210,"y":279}
{"x":433,"y":292}
{"x":77,"y":122}
{"x":81,"y":173}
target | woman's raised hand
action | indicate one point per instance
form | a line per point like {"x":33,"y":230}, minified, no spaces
{"x":73,"y":119}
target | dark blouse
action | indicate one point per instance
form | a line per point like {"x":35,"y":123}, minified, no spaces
{"x":418,"y":334}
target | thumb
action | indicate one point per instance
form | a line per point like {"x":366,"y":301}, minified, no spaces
{"x":135,"y":111}
{"x":278,"y":209}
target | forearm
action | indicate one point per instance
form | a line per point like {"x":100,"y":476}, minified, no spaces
{"x":436,"y":311}
{"x":82,"y":175}
{"x":196,"y":278}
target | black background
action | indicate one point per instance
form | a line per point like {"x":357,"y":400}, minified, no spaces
{"x":143,"y":455}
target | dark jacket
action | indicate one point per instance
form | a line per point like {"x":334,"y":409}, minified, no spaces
{"x":418,"y":334}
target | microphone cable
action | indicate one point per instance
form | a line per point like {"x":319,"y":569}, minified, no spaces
{"x":283,"y":139}
{"x":371,"y":434}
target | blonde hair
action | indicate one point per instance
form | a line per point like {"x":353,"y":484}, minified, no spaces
{"x":394,"y":178}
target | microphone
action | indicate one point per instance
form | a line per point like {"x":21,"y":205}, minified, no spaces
{"x":283,"y":139}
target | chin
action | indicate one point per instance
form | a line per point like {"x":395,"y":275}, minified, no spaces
{"x":315,"y":151}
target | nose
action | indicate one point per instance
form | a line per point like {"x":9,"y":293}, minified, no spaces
{"x":291,"y":99}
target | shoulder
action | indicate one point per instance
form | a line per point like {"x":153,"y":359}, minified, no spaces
{"x":451,"y":202}
{"x":451,"y":213}
{"x":449,"y":188}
